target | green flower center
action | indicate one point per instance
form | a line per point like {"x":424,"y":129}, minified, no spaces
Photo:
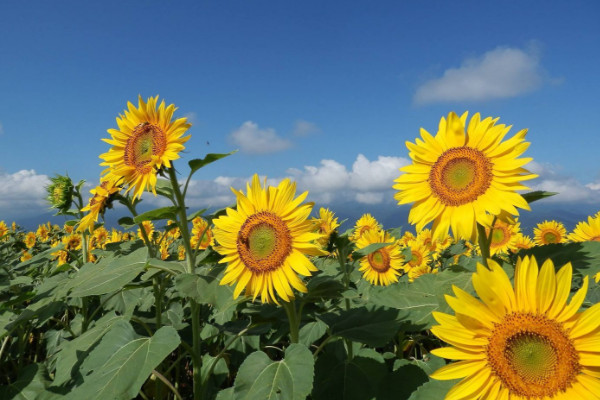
{"x":459,"y":174}
{"x":531,"y":356}
{"x":262,"y":241}
{"x":498,"y":235}
{"x":550,"y":237}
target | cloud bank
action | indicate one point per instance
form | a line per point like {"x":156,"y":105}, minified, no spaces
{"x":500,"y":73}
{"x":22,"y":194}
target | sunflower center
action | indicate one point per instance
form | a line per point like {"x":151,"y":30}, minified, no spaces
{"x":146,"y":142}
{"x":264,"y":242}
{"x":460,"y":175}
{"x":532,"y":355}
{"x":551,"y":237}
{"x":416,"y":258}
{"x":379,"y":260}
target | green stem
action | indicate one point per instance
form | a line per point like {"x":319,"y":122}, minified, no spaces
{"x":191,"y":263}
{"x":484,"y":244}
{"x":167,"y":384}
{"x":342,"y":261}
{"x":293,"y":318}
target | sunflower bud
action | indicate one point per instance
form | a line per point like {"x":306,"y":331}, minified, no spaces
{"x":60,"y":193}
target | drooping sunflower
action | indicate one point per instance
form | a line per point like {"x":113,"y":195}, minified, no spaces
{"x":265,"y":241}
{"x":463,"y":173}
{"x":101,"y":197}
{"x":549,"y":232}
{"x":365,"y":223}
{"x":146,"y":141}
{"x":522,"y":242}
{"x":586,"y":231}
{"x":383,"y":266}
{"x":325,"y":224}
{"x":521,"y":343}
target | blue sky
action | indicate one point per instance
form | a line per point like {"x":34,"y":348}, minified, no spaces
{"x":333,"y":89}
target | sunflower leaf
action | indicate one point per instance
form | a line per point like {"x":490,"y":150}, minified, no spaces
{"x":159,"y":213}
{"x":530,"y":197}
{"x":198,"y":163}
{"x":365,"y":251}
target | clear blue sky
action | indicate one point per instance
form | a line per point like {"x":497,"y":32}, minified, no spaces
{"x":318,"y":80}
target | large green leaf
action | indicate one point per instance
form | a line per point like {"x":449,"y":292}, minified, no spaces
{"x":368,"y":250}
{"x":120,"y":373}
{"x":198,"y":163}
{"x":107,"y":277}
{"x":372,"y":326}
{"x":584,"y":256}
{"x":357,"y":379}
{"x":72,"y":352}
{"x":311,"y":332}
{"x":537,"y":195}
{"x":419,"y":298}
{"x":158,"y":214}
{"x":432,"y":390}
{"x":289,"y":379}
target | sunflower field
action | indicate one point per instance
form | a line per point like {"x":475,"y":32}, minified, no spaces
{"x":270,"y":299}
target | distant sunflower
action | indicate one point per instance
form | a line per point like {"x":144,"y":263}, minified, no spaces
{"x":586,"y":231}
{"x":3,"y":229}
{"x":463,"y":173}
{"x":521,"y":343}
{"x":200,"y":228}
{"x":522,"y":242}
{"x":148,"y":228}
{"x":549,"y":232}
{"x":42,"y":233}
{"x":504,"y":236}
{"x":365,"y":223}
{"x":420,"y":255}
{"x":146,"y":141}
{"x":420,"y":270}
{"x":265,"y":241}
{"x":383,"y":266}
{"x":101,"y":198}
{"x":325,"y":225}
{"x":30,"y":239}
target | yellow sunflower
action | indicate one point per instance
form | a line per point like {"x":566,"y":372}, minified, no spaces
{"x":420,"y":255}
{"x":325,"y":225}
{"x":265,"y":241}
{"x":42,"y":233}
{"x":420,"y":270}
{"x":383,"y":266}
{"x":521,"y":343}
{"x":549,"y":232}
{"x":522,"y":242}
{"x":3,"y":229}
{"x":463,"y":173}
{"x":30,"y":239}
{"x":148,"y":228}
{"x":72,"y":242}
{"x":586,"y":231}
{"x":504,"y":235}
{"x":146,"y":141}
{"x":200,"y":228}
{"x":365,"y":223}
{"x":97,"y":204}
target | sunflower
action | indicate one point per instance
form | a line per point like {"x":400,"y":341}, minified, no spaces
{"x":461,"y":174}
{"x":420,"y":270}
{"x":265,"y":241}
{"x":504,"y":235}
{"x":549,"y":232}
{"x":101,"y":198}
{"x":586,"y":231}
{"x":42,"y":233}
{"x":202,"y":235}
{"x":325,"y":225}
{"x":146,"y":141}
{"x":522,"y":242}
{"x":148,"y":228}
{"x":3,"y":229}
{"x":383,"y":266}
{"x":30,"y":239}
{"x":521,"y":343}
{"x":365,"y":223}
{"x":25,"y":256}
{"x":420,"y":255}
{"x":72,"y":242}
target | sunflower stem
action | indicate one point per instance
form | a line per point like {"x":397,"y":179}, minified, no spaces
{"x":484,"y":244}
{"x":191,"y":262}
{"x":293,"y":319}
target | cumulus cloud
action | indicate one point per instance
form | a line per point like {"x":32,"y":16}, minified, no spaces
{"x":304,"y":128}
{"x":251,"y":139}
{"x":22,"y":194}
{"x":368,"y":182}
{"x":499,"y":73}
{"x":569,"y":189}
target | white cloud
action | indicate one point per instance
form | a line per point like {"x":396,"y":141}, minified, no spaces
{"x":569,"y":189}
{"x":304,"y":128}
{"x":499,"y":73}
{"x":22,"y":194}
{"x":250,"y":139}
{"x":368,"y":182}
